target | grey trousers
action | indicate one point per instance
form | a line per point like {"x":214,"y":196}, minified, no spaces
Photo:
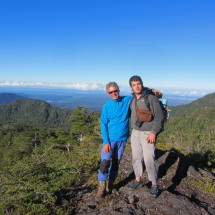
{"x":143,"y":152}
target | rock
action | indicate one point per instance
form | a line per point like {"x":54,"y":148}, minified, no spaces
{"x":193,"y":173}
{"x":178,"y":193}
{"x":207,"y":175}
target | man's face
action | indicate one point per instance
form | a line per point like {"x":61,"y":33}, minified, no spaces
{"x":113,"y":92}
{"x":136,"y":87}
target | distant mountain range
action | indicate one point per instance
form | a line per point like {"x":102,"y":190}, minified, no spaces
{"x":7,"y":98}
{"x":91,"y":99}
{"x":18,"y":109}
{"x":31,"y":112}
{"x":201,"y":104}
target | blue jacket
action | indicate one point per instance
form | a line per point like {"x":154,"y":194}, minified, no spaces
{"x":115,"y":119}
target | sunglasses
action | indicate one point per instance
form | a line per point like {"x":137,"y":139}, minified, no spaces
{"x":114,"y":91}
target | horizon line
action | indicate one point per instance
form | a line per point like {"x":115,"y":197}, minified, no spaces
{"x":100,"y":87}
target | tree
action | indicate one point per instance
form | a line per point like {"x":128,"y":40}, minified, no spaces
{"x":81,"y":123}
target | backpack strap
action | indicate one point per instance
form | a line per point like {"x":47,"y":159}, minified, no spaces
{"x":131,"y":102}
{"x":146,"y":99}
{"x":135,"y":100}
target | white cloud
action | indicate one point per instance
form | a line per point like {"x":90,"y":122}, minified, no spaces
{"x":96,"y":86}
{"x":176,"y":92}
{"x":77,"y":86}
{"x":185,"y":92}
{"x":195,"y":92}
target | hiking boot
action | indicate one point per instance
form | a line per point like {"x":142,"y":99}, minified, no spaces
{"x":101,"y":189}
{"x":109,"y":186}
{"x":154,"y":190}
{"x":134,"y":185}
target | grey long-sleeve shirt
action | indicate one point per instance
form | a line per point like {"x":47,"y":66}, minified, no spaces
{"x":156,"y":124}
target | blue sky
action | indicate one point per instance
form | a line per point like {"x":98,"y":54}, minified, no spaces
{"x":87,"y":43}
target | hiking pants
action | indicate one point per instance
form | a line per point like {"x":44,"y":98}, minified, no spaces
{"x":143,"y":152}
{"x":109,"y":165}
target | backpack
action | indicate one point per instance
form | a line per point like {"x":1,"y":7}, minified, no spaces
{"x":164,"y":106}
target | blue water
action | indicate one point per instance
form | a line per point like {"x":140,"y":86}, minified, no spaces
{"x":69,"y":99}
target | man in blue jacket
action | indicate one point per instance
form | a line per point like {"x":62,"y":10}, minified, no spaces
{"x":115,"y":131}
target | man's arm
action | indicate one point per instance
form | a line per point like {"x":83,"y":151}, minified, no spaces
{"x":157,"y":92}
{"x":104,"y":125}
{"x":153,"y":91}
{"x":104,"y":130}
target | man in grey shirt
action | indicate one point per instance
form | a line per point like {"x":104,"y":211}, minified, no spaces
{"x":143,"y":136}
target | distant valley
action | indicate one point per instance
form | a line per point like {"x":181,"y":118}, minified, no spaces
{"x":70,"y":99}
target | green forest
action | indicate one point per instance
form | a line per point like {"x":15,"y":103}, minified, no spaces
{"x":46,"y":151}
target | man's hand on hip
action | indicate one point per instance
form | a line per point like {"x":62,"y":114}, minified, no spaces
{"x":151,"y":138}
{"x":106,"y":148}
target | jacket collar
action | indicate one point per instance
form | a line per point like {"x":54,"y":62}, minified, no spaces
{"x":144,"y":94}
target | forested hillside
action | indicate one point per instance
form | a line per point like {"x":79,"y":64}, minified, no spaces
{"x":202,"y":104}
{"x":191,"y":130}
{"x":6,"y":98}
{"x":34,"y":113}
{"x":36,"y":163}
{"x":40,"y":166}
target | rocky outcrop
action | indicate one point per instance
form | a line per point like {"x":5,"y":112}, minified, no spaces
{"x":179,"y":191}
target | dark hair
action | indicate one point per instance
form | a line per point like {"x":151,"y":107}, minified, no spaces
{"x":135,"y":78}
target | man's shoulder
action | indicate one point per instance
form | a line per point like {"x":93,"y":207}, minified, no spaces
{"x":121,"y":98}
{"x":126,"y":98}
{"x":151,"y":97}
{"x":107,"y":102}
